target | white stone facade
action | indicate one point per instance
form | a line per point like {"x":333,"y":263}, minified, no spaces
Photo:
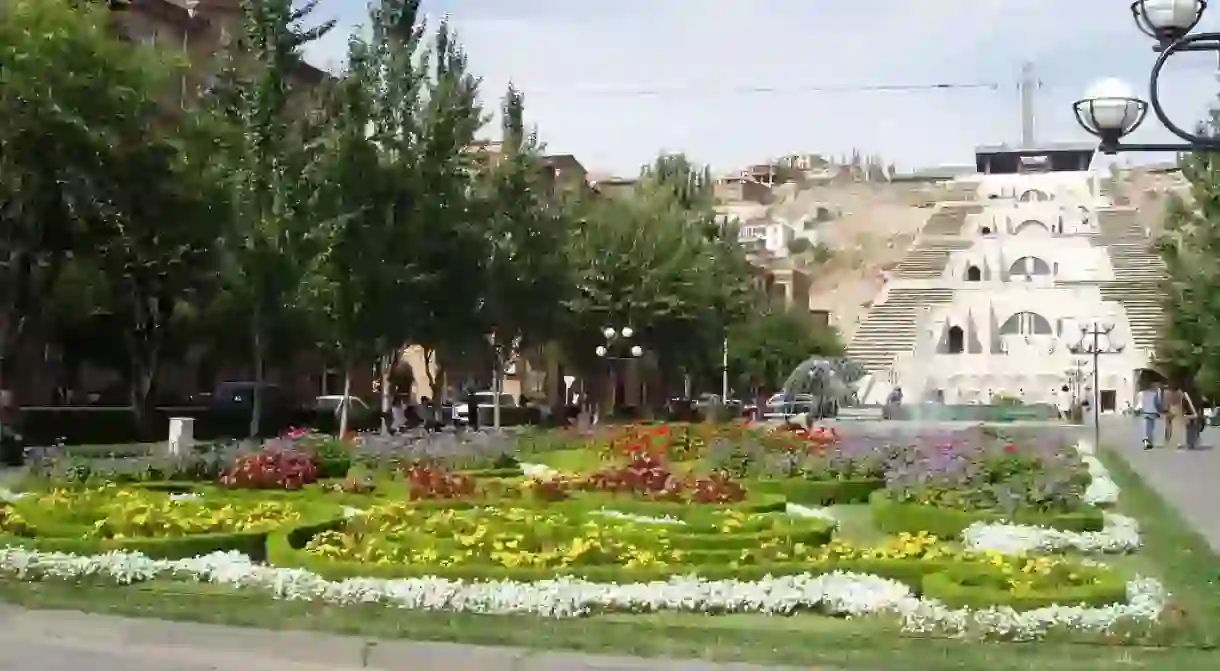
{"x":992,"y":298}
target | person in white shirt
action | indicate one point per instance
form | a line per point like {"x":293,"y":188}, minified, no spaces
{"x":1064,"y":402}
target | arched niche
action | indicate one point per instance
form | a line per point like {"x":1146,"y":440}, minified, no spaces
{"x":974,"y":274}
{"x":1031,"y":225}
{"x":1034,"y":196}
{"x":1026,"y":323}
{"x":956,"y":340}
{"x":1029,"y":266}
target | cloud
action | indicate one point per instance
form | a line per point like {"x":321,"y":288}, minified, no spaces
{"x":732,"y":82}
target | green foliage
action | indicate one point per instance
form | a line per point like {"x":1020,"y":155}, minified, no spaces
{"x":766,"y":347}
{"x":1190,"y":248}
{"x":526,"y":272}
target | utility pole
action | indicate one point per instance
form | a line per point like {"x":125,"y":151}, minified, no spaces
{"x":1029,"y":83}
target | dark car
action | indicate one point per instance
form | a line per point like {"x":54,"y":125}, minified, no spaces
{"x":360,"y":415}
{"x":233,"y":404}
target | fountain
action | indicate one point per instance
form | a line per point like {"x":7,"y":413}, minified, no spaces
{"x":823,"y":385}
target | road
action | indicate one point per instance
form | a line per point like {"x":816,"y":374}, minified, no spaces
{"x":71,"y":641}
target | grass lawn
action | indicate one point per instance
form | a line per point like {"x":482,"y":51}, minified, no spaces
{"x":1172,"y":552}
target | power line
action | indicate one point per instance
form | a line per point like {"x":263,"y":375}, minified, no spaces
{"x":764,"y":90}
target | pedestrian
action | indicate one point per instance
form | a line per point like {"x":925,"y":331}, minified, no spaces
{"x":12,"y":449}
{"x":892,"y":403}
{"x":1171,"y":405}
{"x":398,"y":415}
{"x":1150,"y":411}
{"x":1192,"y":422}
{"x":1063,"y":401}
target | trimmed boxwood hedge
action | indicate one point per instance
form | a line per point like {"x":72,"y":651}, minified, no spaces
{"x":818,"y":492}
{"x":894,"y":518}
{"x":958,"y":587}
{"x":253,"y":544}
{"x":286,"y":549}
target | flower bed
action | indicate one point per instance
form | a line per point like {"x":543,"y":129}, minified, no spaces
{"x":834,"y":593}
{"x":893,"y":517}
{"x":158,"y":524}
{"x":398,"y":540}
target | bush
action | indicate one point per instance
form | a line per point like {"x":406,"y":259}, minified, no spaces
{"x":253,"y":544}
{"x":819,"y":492}
{"x":894,"y":518}
{"x":286,"y":549}
{"x":974,"y":587}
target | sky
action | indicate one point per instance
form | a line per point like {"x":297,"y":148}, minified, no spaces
{"x":583,"y":66}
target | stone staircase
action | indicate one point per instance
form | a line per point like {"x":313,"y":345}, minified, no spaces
{"x":1138,"y":272}
{"x":891,"y":328}
{"x":948,"y":220}
{"x":928,"y":258}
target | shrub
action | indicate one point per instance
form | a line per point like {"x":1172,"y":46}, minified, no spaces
{"x":271,"y":469}
{"x":428,"y":482}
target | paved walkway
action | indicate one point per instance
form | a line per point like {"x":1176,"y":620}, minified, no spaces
{"x":1189,"y":481}
{"x":69,"y":641}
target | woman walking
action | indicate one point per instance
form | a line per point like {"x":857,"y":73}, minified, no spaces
{"x":1171,"y":404}
{"x":1192,"y":423}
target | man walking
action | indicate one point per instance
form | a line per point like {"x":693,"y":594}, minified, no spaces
{"x":1150,"y":410}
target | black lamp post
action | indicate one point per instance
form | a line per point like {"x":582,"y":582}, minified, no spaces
{"x":1111,"y":111}
{"x":618,"y":341}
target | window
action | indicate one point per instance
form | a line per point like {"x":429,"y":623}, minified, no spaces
{"x":973,"y":274}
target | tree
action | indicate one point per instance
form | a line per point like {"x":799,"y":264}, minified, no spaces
{"x":1190,"y":247}
{"x":652,"y":262}
{"x":767,"y":346}
{"x":67,"y":85}
{"x":451,"y":243}
{"x":262,"y":163}
{"x":526,"y":275}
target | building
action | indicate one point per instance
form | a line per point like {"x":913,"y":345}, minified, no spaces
{"x":992,"y":297}
{"x":198,"y":28}
{"x":615,"y":187}
{"x":741,"y":188}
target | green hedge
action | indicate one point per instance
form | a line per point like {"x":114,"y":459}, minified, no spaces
{"x":253,"y":544}
{"x":285,"y":549}
{"x":818,"y":492}
{"x":968,"y":587}
{"x":894,"y":518}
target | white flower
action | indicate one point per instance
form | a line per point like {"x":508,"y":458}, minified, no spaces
{"x":642,"y":519}
{"x":797,"y":510}
{"x":539,"y":472}
{"x":834,"y":593}
{"x":1120,"y":534}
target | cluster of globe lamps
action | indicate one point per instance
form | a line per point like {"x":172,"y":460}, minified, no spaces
{"x":1110,"y":110}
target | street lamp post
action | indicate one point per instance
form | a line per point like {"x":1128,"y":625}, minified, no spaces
{"x":1096,"y":328}
{"x":1111,"y":111}
{"x":618,"y":340}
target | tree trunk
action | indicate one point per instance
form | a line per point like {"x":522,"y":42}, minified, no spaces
{"x":144,"y":359}
{"x":438,"y":395}
{"x":347,"y":396}
{"x":497,"y":383}
{"x":257,"y":395}
{"x":387,"y":364}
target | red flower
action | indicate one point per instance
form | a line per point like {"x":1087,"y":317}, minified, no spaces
{"x":1010,"y":448}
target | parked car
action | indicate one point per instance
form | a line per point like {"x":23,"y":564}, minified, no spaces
{"x":484,"y":399}
{"x":327,"y":414}
{"x":778,"y":407}
{"x":233,"y":404}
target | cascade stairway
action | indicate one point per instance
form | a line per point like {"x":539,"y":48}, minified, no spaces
{"x":891,"y":328}
{"x":949,"y":220}
{"x":1138,"y":272}
{"x":928,"y":258}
